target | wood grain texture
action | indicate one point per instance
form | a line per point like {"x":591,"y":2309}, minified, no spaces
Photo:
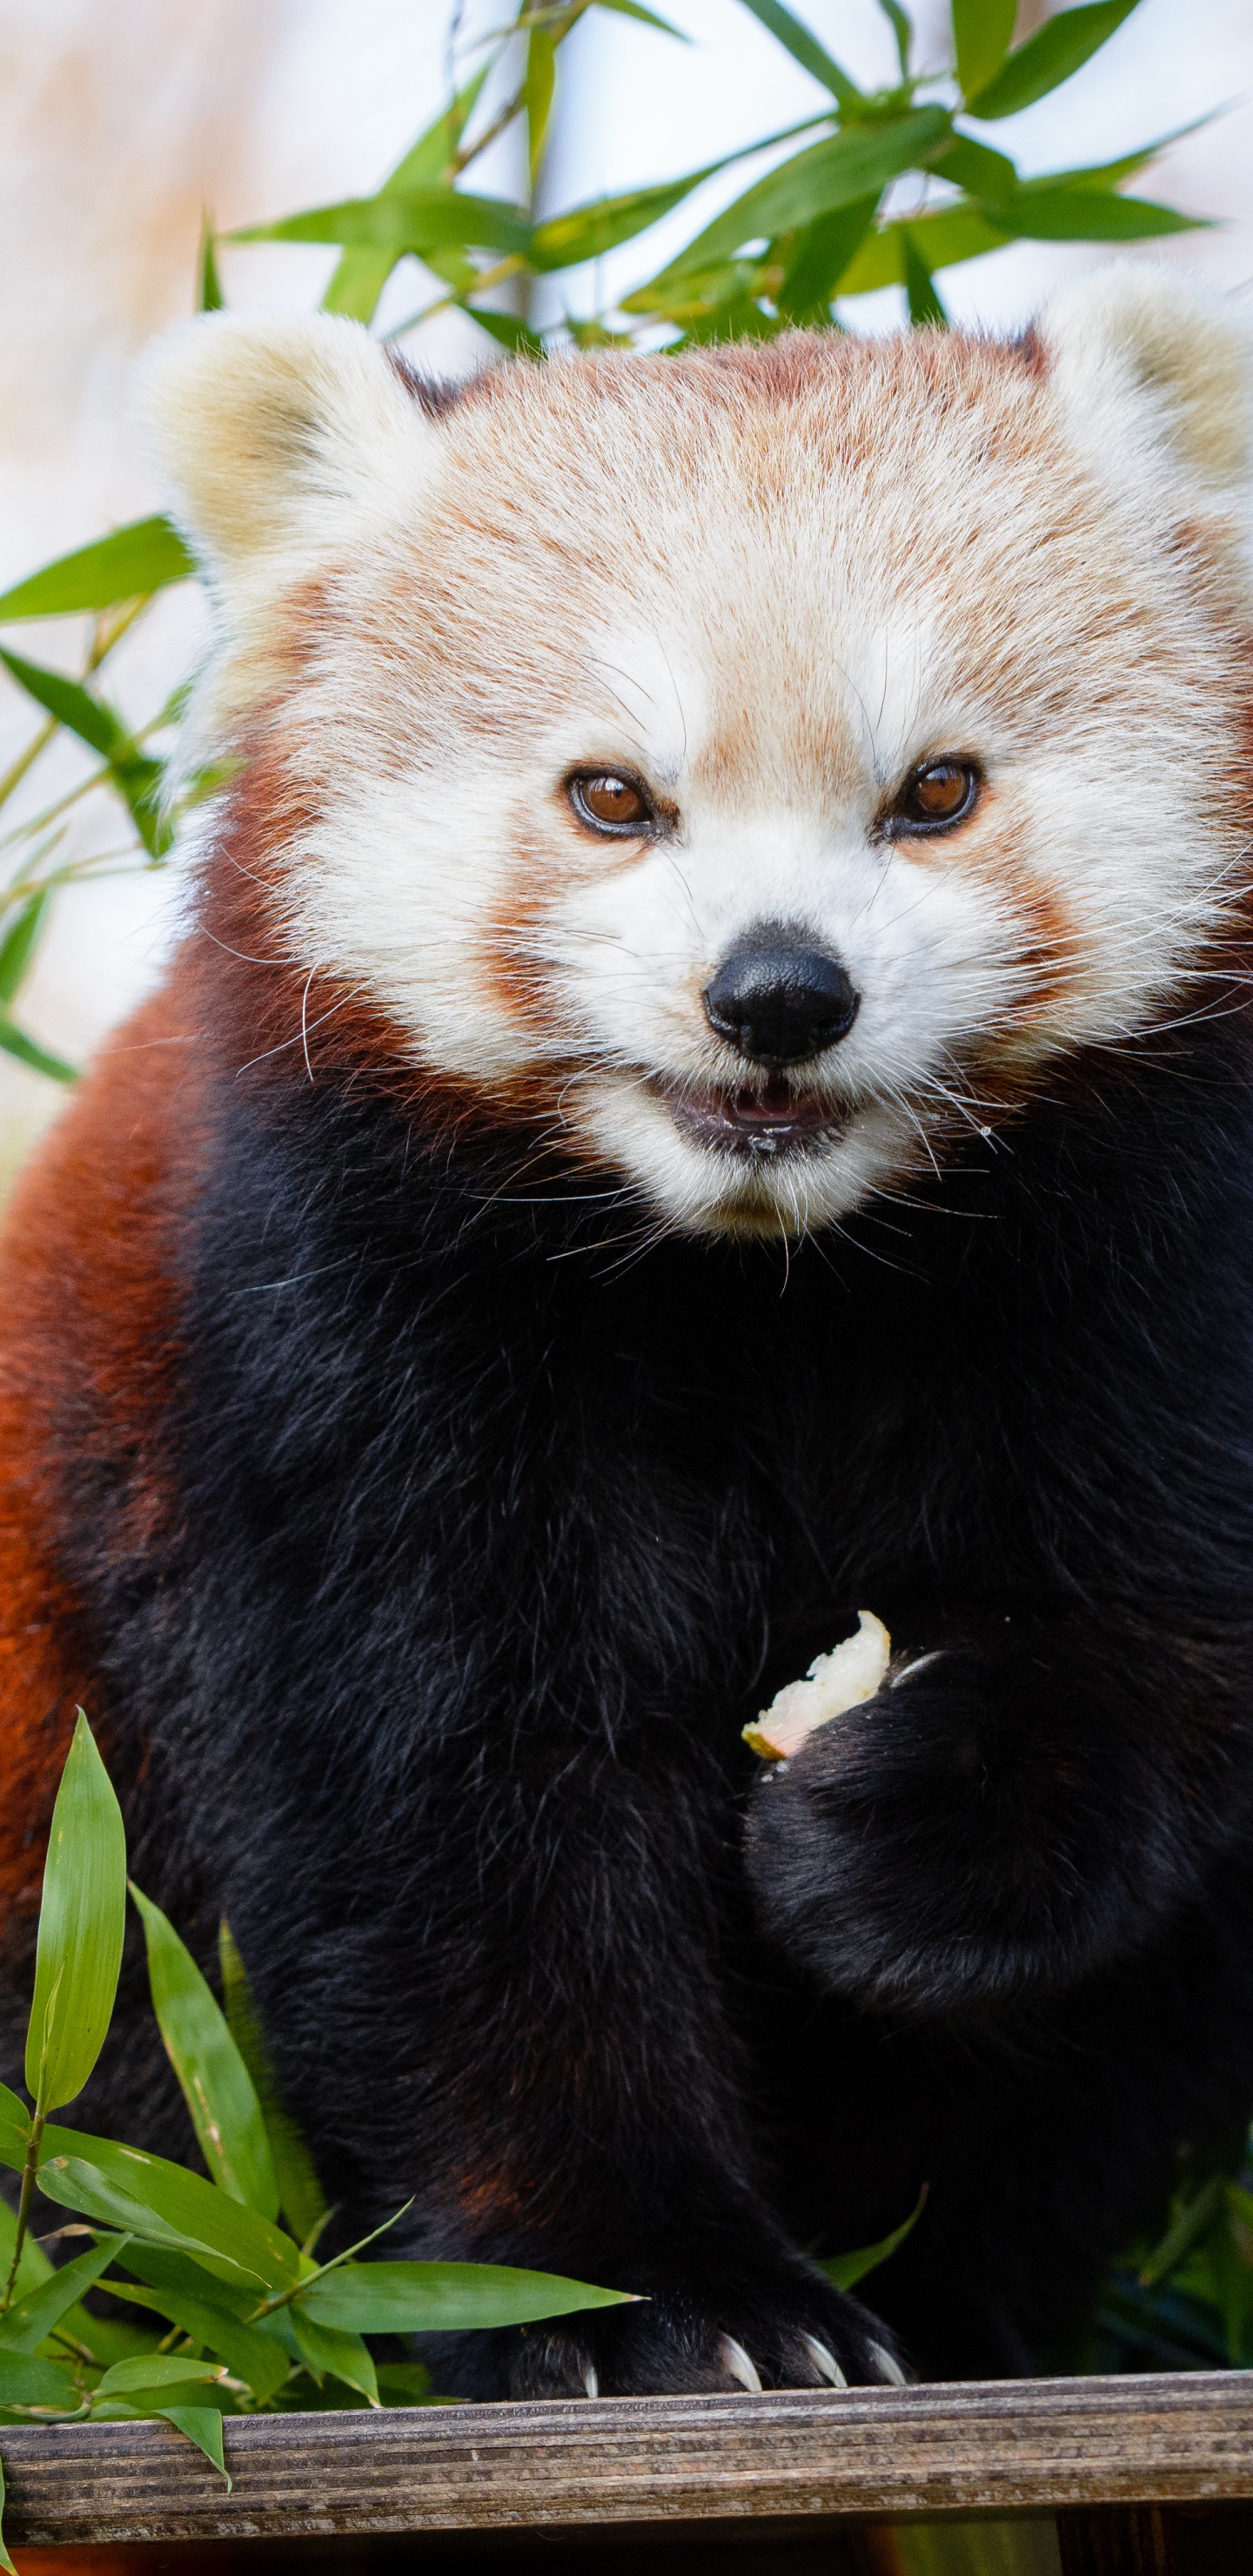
{"x":992,"y":2447}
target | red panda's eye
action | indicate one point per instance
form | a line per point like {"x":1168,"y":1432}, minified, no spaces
{"x":940,"y":794}
{"x":610,"y":802}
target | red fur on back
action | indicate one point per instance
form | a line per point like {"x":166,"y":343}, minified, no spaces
{"x":89,"y":1312}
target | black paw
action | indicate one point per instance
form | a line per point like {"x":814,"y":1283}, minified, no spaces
{"x":687,"y":2341}
{"x":948,"y":1842}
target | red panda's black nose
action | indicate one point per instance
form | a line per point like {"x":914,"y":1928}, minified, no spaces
{"x":779,"y":1003}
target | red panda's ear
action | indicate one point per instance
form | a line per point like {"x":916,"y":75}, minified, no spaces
{"x":276,"y":435}
{"x":284,"y":443}
{"x":1156,"y":376}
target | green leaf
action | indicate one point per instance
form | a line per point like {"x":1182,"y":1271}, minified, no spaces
{"x":72,"y":705}
{"x":162,"y":2204}
{"x":20,"y":942}
{"x":39,"y":2309}
{"x":155,"y":2370}
{"x":5,"y":2560}
{"x":846,"y":2269}
{"x":944,"y":238}
{"x":79,"y":2185}
{"x":203,"y":2426}
{"x":821,"y":256}
{"x":1090,"y":214}
{"x":324,"y":2348}
{"x":301,"y":2197}
{"x":144,"y":557}
{"x":1059,"y":48}
{"x":647,"y":17}
{"x":423,"y":2298}
{"x":814,"y":182}
{"x":538,"y":90}
{"x":26,"y":2380}
{"x":217,"y":2087}
{"x":15,"y":1042}
{"x":248,"y":2351}
{"x":587,"y":232}
{"x":901,"y":30}
{"x":14,"y":2129}
{"x":361,"y":275}
{"x":509,"y":331}
{"x":417,"y":220}
{"x":806,"y":50}
{"x":926,"y":310}
{"x":210,"y":297}
{"x":136,"y":777}
{"x":1187,"y":2227}
{"x":983,"y":31}
{"x":405,"y":2383}
{"x":81,"y":1924}
{"x":976,"y":168}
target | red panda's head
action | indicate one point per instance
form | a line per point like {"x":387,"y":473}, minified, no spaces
{"x":757,"y":766}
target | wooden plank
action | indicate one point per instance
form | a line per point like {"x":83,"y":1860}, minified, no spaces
{"x":796,"y":2458}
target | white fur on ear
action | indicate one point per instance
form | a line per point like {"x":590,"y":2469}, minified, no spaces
{"x":1155,"y":374}
{"x":283,"y":441}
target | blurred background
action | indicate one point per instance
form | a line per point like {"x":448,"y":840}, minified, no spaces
{"x":120,"y":129}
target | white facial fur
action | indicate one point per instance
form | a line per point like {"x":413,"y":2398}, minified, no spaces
{"x":768,"y":586}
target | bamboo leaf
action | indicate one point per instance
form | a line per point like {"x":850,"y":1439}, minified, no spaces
{"x":925,"y":307}
{"x":821,"y":256}
{"x":361,"y":275}
{"x":976,"y":168}
{"x":847,"y":2269}
{"x":1090,"y":214}
{"x":805,"y":49}
{"x":1057,"y":50}
{"x":301,"y":2197}
{"x":39,"y":2309}
{"x":164,"y":2205}
{"x":815,"y":182}
{"x":418,"y":220}
{"x":82,"y":1920}
{"x":647,"y":17}
{"x":14,"y":2129}
{"x":71,"y":704}
{"x":144,"y":557}
{"x":136,"y":776}
{"x":14,"y":1042}
{"x":983,"y":31}
{"x":203,"y":2426}
{"x":422,"y":2298}
{"x":17,"y":950}
{"x":210,"y":298}
{"x":5,"y":2561}
{"x":249,"y":2353}
{"x":902,"y":32}
{"x":27,"y":2380}
{"x":945,"y":238}
{"x":217,"y":2087}
{"x":132,"y":2379}
{"x":587,"y":232}
{"x":336,"y":2350}
{"x":539,"y":89}
{"x":509,"y":331}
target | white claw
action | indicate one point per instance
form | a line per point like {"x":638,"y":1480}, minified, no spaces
{"x":589,"y":2378}
{"x":735,"y":2361}
{"x":888,"y":2366}
{"x":824,"y":2361}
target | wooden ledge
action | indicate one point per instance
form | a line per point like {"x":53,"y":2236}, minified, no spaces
{"x":996,"y":2446}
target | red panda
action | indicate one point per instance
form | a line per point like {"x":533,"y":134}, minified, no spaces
{"x":707,"y":1087}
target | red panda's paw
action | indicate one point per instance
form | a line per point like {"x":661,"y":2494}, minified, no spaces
{"x":681,"y":2343}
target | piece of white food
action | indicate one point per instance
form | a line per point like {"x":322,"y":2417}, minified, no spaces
{"x":851,"y":1672}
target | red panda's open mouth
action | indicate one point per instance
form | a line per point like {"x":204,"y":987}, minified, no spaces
{"x":775,"y":1121}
